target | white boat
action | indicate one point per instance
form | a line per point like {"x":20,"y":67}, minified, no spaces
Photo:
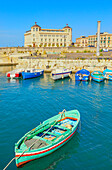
{"x":60,"y":73}
{"x":15,"y":73}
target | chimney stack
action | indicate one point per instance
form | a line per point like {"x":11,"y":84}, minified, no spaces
{"x":98,"y":38}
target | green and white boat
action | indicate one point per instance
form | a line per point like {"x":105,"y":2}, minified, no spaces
{"x":47,"y":137}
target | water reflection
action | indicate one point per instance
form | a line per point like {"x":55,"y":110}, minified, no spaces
{"x":51,"y":161}
{"x":46,"y":80}
{"x":14,"y":80}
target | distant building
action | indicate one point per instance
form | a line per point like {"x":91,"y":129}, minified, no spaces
{"x":38,"y":37}
{"x":91,"y":40}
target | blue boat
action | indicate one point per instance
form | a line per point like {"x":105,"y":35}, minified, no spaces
{"x":97,"y":76}
{"x":82,"y":75}
{"x":107,"y":74}
{"x":32,"y":73}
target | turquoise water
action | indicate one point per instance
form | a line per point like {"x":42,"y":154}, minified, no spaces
{"x":26,"y":103}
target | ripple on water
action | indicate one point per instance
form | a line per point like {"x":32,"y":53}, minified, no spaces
{"x":24,"y":104}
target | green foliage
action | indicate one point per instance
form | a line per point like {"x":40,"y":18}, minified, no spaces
{"x":101,"y":54}
{"x":85,"y":51}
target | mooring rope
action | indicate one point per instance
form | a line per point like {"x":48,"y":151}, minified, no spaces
{"x":28,"y":147}
{"x":32,"y":143}
{"x":9,"y":163}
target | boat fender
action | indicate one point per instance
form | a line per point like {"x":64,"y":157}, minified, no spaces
{"x":62,"y":76}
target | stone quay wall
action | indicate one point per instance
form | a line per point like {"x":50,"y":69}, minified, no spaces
{"x":74,"y":64}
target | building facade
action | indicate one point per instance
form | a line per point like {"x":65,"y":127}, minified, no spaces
{"x":91,"y":40}
{"x":38,"y":37}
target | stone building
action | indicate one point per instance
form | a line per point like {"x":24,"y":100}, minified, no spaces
{"x":91,"y":40}
{"x":38,"y":37}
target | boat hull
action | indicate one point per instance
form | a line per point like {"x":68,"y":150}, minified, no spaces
{"x":107,"y":74}
{"x":97,"y":76}
{"x":97,"y":79}
{"x":108,"y":77}
{"x":28,"y":75}
{"x":84,"y":78}
{"x":61,"y":75}
{"x":82,"y":75}
{"x":14,"y":75}
{"x":32,"y":156}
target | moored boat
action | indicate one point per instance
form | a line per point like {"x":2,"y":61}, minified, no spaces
{"x":15,"y":73}
{"x":82,"y":75}
{"x":97,"y":76}
{"x":32,"y":73}
{"x":107,"y":74}
{"x":47,"y":137}
{"x":60,"y":73}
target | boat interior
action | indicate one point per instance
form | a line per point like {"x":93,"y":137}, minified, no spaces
{"x":32,"y":70}
{"x":49,"y":134}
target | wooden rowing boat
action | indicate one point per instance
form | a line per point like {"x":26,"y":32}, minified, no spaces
{"x":97,"y":76}
{"x":47,"y":137}
{"x":32,"y":73}
{"x":82,"y":75}
{"x":107,"y":74}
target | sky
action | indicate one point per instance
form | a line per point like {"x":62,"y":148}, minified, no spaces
{"x":17,"y":17}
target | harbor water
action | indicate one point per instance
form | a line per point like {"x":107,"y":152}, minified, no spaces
{"x":26,"y":103}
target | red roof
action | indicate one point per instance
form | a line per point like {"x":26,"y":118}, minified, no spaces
{"x":67,"y":26}
{"x":36,"y":25}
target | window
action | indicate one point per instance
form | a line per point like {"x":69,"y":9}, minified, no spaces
{"x":49,"y":35}
{"x":33,"y":35}
{"x":101,"y":41}
{"x":53,"y":40}
{"x":53,"y":35}
{"x":104,"y":41}
{"x":61,"y":40}
{"x":33,"y":29}
{"x":57,"y":35}
{"x":49,"y":40}
{"x":45,"y":35}
{"x":33,"y":39}
{"x":69,"y":30}
{"x":36,"y":29}
{"x":41,"y":39}
{"x":41,"y":35}
{"x":104,"y":38}
{"x":57,"y":40}
{"x":45,"y":39}
{"x":64,"y":39}
{"x":108,"y":42}
{"x":108,"y":38}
